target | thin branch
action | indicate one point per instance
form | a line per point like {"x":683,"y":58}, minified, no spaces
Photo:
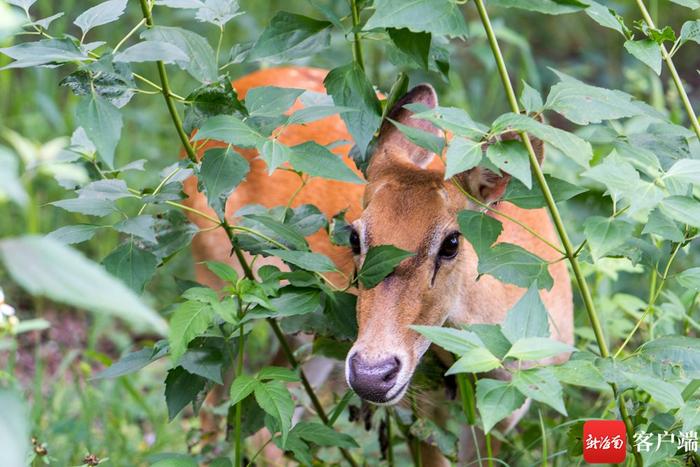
{"x":356,"y":44}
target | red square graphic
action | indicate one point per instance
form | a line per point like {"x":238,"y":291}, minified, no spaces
{"x":604,"y":441}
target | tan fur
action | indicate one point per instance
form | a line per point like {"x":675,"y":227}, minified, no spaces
{"x":405,"y":205}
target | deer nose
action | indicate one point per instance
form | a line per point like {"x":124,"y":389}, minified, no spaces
{"x":373,"y":381}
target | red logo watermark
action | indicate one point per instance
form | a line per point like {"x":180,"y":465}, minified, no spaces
{"x":604,"y":441}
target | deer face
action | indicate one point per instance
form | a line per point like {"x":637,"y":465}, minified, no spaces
{"x":412,"y":207}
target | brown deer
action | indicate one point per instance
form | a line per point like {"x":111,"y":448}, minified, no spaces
{"x":407,"y":203}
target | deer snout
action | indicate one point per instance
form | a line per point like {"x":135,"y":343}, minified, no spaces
{"x":373,"y":381}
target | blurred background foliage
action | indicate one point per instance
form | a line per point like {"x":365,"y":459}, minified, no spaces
{"x":37,"y":117}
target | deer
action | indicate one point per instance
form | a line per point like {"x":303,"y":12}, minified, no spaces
{"x":406,"y":202}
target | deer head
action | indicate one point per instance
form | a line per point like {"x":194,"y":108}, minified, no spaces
{"x":410,"y":206}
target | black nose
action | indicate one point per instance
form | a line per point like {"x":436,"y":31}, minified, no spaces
{"x":372,"y":381}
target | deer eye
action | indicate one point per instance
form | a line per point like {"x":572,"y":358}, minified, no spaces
{"x":355,"y":242}
{"x":450,"y":246}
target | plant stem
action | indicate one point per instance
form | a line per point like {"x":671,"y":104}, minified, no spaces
{"x":239,"y":404}
{"x":356,"y":44}
{"x":167,"y":95}
{"x":674,"y":73}
{"x":556,"y":217}
{"x":390,"y":448}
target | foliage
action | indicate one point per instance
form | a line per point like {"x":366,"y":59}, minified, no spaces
{"x":621,"y":169}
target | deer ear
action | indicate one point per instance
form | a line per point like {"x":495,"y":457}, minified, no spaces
{"x":390,"y":136}
{"x":487,"y":185}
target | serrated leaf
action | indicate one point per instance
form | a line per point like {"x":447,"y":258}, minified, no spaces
{"x":98,"y":15}
{"x":189,"y":320}
{"x":379,"y":262}
{"x":450,"y":119}
{"x":133,"y":265}
{"x":512,"y":264}
{"x":414,"y":44}
{"x":181,"y":388}
{"x":242,"y":386}
{"x":102,"y":123}
{"x":661,"y":391}
{"x":605,"y":234}
{"x":206,"y":362}
{"x":111,"y":190}
{"x":131,"y":363}
{"x":480,"y":229}
{"x":200,"y":60}
{"x":141,"y":226}
{"x":90,"y":207}
{"x":549,"y":7}
{"x":537,"y":348}
{"x":322,"y":435}
{"x":527,"y":318}
{"x":43,"y":52}
{"x":685,"y":171}
{"x":561,"y":190}
{"x":690,"y":279}
{"x":682,"y":209}
{"x":424,"y":139}
{"x":661,"y":225}
{"x":223,"y":271}
{"x":72,"y":234}
{"x":690,"y":31}
{"x":274,"y":398}
{"x":318,"y":161}
{"x":541,"y":385}
{"x":349,"y":87}
{"x":531,"y":99}
{"x":476,"y":360}
{"x":581,"y":373}
{"x":646,"y":51}
{"x":152,"y":51}
{"x":221,"y":171}
{"x":305,"y":259}
{"x":270,"y":101}
{"x":277,"y":373}
{"x":512,"y":158}
{"x":496,"y":400}
{"x":231,"y":130}
{"x":435,"y":16}
{"x":462,"y":154}
{"x":290,"y":36}
{"x":274,"y":154}
{"x":457,"y":341}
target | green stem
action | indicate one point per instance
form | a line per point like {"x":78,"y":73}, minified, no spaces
{"x":356,"y":44}
{"x":556,"y":216}
{"x":390,"y":449}
{"x":167,"y":95}
{"x":239,"y":404}
{"x":544,"y":441}
{"x":674,"y":73}
{"x":466,"y":392}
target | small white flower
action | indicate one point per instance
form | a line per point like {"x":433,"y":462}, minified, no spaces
{"x":6,"y":310}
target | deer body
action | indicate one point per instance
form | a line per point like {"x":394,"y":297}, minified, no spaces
{"x":406,"y":203}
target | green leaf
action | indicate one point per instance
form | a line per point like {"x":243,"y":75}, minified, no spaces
{"x":217,"y":12}
{"x":646,"y":51}
{"x":462,"y":154}
{"x":682,"y":209}
{"x":200,"y":61}
{"x":217,"y":98}
{"x":690,"y":31}
{"x":518,"y":194}
{"x":421,"y":138}
{"x":282,"y":233}
{"x":581,"y":373}
{"x":690,"y":279}
{"x":480,"y":229}
{"x":549,"y":7}
{"x":102,"y":123}
{"x":537,"y":348}
{"x":289,"y":37}
{"x":692,"y":4}
{"x":316,"y":112}
{"x":98,"y":15}
{"x":457,"y":341}
{"x":605,"y":17}
{"x":531,"y":99}
{"x":433,"y":435}
{"x":442,"y":17}
{"x":662,"y":392}
{"x":189,"y":320}
{"x":43,"y":52}
{"x":206,"y":362}
{"x":527,"y":318}
{"x":450,"y":119}
{"x":141,"y":226}
{"x":270,"y":101}
{"x":274,"y":398}
{"x":605,"y":234}
{"x":91,"y":207}
{"x":318,"y":161}
{"x":619,"y":176}
{"x":71,"y":234}
{"x":221,"y":171}
{"x":243,"y":385}
{"x":493,"y":338}
{"x":681,"y":351}
{"x":181,"y":388}
{"x":105,"y":189}
{"x":496,"y":400}
{"x":15,"y":428}
{"x":511,"y":157}
{"x":379,"y":262}
{"x":44,"y":267}
{"x":583,"y":104}
{"x":659,"y":224}
{"x":132,"y":362}
{"x":110,"y":81}
{"x":571,"y":145}
{"x":274,"y":154}
{"x":133,"y":265}
{"x":322,"y":435}
{"x":231,"y":130}
{"x":541,"y":385}
{"x":277,"y":373}
{"x":476,"y":360}
{"x":685,"y":171}
{"x":512,"y":264}
{"x":296,"y":301}
{"x":223,"y":271}
{"x":152,"y":51}
{"x":349,"y":87}
{"x":414,"y":44}
{"x":305,"y":259}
